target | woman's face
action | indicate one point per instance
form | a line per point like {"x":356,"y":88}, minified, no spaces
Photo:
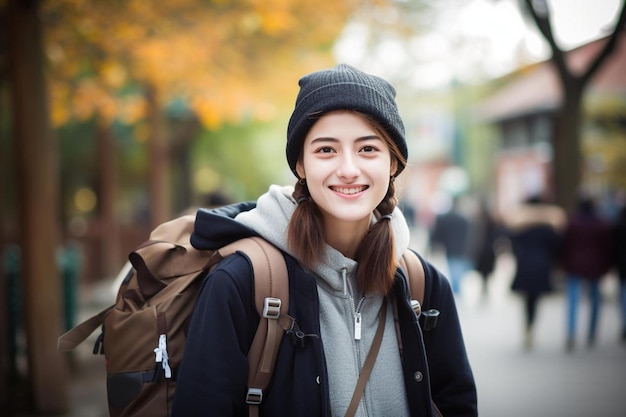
{"x":347,"y":166}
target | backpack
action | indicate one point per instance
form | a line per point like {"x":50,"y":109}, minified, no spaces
{"x":144,"y":332}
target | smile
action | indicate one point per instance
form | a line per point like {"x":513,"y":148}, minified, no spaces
{"x":349,"y":190}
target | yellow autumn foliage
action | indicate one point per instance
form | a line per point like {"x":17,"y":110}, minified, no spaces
{"x":228,"y":60}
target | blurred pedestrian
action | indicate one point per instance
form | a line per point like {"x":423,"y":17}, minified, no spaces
{"x":534,"y":229}
{"x":450,"y":234}
{"x":619,"y":258}
{"x":585,"y":258}
{"x":484,"y":235}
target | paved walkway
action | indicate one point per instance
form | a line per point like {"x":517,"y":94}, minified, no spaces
{"x":512,"y":381}
{"x":544,"y":381}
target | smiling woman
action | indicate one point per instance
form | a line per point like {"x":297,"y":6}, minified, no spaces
{"x":343,"y":239}
{"x":340,"y":149}
{"x":347,"y":168}
{"x":317,"y":120}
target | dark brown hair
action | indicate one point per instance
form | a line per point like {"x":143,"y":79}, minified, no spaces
{"x":376,"y":252}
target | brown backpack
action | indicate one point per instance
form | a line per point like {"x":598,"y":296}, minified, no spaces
{"x":144,"y":332}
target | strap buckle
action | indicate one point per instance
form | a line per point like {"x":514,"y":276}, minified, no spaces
{"x":417,"y":308}
{"x":254,"y":396}
{"x":271,"y":308}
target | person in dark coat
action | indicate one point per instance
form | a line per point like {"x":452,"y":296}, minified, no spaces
{"x":534,"y":230}
{"x":585,"y":258}
{"x":485,"y":232}
{"x":619,"y":260}
{"x":341,"y":235}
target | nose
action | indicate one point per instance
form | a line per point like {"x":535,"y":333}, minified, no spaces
{"x":348,"y":166}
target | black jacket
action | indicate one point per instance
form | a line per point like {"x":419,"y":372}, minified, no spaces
{"x":213,"y":374}
{"x":535,"y":233}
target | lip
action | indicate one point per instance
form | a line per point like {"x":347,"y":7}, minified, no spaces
{"x":348,"y":191}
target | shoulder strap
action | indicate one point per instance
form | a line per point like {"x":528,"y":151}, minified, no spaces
{"x":370,"y":360}
{"x":76,"y":335}
{"x":414,"y":270}
{"x":271,"y":288}
{"x":411,"y":263}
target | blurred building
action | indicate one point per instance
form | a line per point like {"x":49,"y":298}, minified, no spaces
{"x":522,"y":111}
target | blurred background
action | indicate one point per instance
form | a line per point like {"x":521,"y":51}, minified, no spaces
{"x":118,"y":115}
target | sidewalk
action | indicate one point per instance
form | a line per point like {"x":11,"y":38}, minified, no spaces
{"x":546,"y":380}
{"x":88,"y":395}
{"x":86,"y":371}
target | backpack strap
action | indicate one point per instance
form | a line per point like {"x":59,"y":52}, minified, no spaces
{"x":414,"y":269}
{"x":271,"y":289}
{"x":76,"y":335}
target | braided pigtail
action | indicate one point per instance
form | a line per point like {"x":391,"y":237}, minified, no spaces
{"x":304,"y":231}
{"x":376,"y":252}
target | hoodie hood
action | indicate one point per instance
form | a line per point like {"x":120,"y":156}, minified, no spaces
{"x":271,"y":216}
{"x":217,"y":227}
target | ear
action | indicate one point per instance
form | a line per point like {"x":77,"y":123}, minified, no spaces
{"x":300,"y":169}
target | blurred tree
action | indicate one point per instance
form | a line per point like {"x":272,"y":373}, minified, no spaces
{"x":37,"y":172}
{"x":228,"y":61}
{"x":567,"y":166}
{"x":122,"y":62}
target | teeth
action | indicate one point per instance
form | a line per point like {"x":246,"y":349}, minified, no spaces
{"x":348,"y":190}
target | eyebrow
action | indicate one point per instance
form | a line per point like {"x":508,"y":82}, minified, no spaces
{"x":331,"y":139}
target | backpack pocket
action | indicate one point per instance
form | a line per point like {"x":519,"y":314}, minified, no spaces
{"x":124,"y":388}
{"x":136,"y":394}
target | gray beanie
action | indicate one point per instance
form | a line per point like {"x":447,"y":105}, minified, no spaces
{"x":338,"y":88}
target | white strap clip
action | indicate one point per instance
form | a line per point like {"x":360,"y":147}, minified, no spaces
{"x":162,"y":357}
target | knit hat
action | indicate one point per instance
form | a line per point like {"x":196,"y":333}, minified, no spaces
{"x":338,"y":88}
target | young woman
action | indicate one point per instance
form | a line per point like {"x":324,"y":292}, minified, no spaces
{"x":342,"y":235}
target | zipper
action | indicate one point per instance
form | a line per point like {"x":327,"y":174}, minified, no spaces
{"x":356,"y":309}
{"x":357,"y":317}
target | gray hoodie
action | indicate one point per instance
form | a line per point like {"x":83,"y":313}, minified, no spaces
{"x":340,"y":306}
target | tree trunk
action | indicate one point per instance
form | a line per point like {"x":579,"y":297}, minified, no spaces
{"x":158,"y":162}
{"x":37,"y":174}
{"x":109,"y":229}
{"x":183,"y":131}
{"x":568,"y":148}
{"x":568,"y":157}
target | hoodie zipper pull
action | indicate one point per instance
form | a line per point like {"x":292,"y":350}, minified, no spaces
{"x":357,"y":326}
{"x":356,"y":313}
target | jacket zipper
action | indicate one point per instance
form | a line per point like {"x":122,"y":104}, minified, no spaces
{"x":356,"y":309}
{"x":357,"y":317}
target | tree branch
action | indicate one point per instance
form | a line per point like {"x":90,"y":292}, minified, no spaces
{"x":544,"y":26}
{"x":608,"y":47}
